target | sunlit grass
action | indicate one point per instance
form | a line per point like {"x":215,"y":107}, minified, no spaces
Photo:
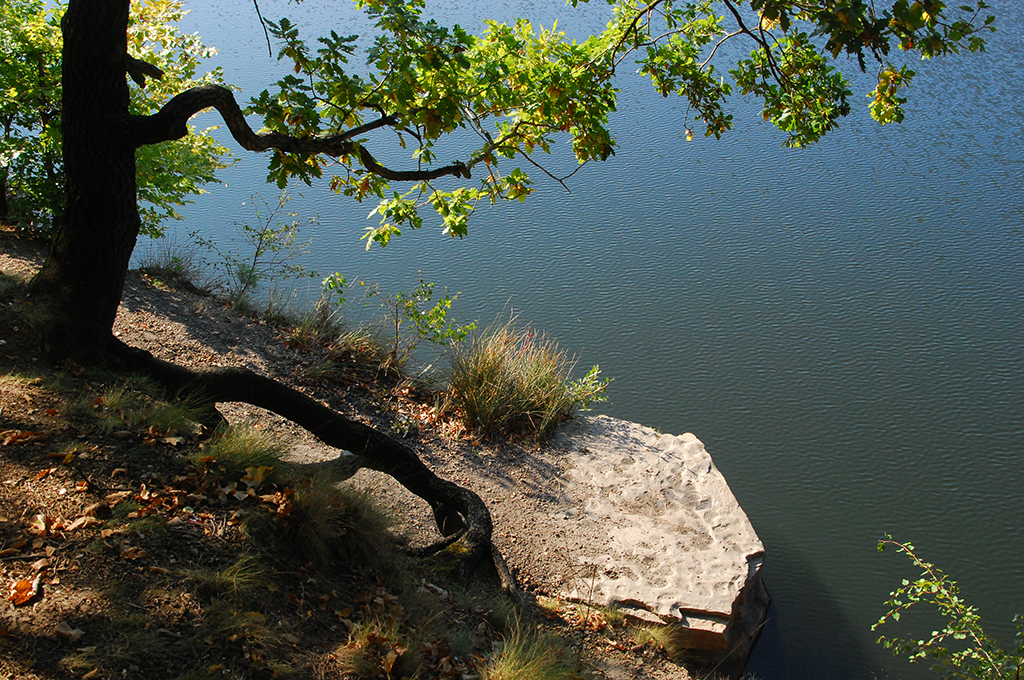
{"x":530,"y":655}
{"x":512,"y":378}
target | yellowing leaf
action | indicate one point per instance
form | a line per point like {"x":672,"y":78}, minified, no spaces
{"x":254,"y":476}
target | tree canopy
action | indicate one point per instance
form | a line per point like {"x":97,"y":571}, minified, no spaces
{"x":31,"y":168}
{"x":518,"y":87}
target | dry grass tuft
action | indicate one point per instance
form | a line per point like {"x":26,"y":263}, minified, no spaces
{"x":512,"y":378}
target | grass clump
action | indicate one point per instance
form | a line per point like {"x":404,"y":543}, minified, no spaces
{"x":11,"y":284}
{"x":509,"y":379}
{"x":664,"y":637}
{"x":131,"y":405}
{"x":329,"y":526}
{"x":168,"y":262}
{"x":238,"y":448}
{"x":234,"y":580}
{"x":530,"y":655}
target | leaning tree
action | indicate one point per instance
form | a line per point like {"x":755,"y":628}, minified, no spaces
{"x":517,"y":89}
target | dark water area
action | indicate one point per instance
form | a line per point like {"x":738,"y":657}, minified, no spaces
{"x":841,"y":326}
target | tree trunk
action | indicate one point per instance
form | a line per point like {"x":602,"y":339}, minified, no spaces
{"x":81,"y":282}
{"x":83,"y":277}
{"x":4,"y":208}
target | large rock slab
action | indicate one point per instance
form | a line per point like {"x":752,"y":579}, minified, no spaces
{"x":649,"y":525}
{"x":612,"y":513}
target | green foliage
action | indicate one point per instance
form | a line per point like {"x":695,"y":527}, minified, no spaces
{"x":31,"y":169}
{"x":519,"y":89}
{"x":430,"y":323}
{"x":30,"y":43}
{"x":270,"y":251}
{"x":514,"y":92}
{"x":974,"y":655}
{"x":511,"y":378}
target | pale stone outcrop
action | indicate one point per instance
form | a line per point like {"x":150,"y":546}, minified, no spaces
{"x":649,"y":525}
{"x":612,"y":513}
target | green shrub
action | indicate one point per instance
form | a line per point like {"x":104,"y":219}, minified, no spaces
{"x":974,"y":654}
{"x":511,"y":378}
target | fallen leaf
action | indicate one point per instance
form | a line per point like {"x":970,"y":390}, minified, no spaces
{"x":69,"y":633}
{"x":41,"y":564}
{"x":13,"y":437}
{"x":83,"y":522}
{"x":288,"y":637}
{"x":92,"y":675}
{"x":159,"y":570}
{"x":173,"y":441}
{"x":40,"y":525}
{"x":389,"y":661}
{"x":132,"y":553}
{"x":255,"y":476}
{"x":24,"y":591}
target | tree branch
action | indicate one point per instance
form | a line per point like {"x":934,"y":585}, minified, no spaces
{"x":138,"y":70}
{"x":171,"y":122}
{"x":460,"y":514}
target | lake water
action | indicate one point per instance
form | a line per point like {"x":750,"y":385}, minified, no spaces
{"x":841,"y":326}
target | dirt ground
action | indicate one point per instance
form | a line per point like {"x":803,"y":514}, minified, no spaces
{"x":93,"y":521}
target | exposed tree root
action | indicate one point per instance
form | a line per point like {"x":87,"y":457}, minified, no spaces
{"x":461,"y":515}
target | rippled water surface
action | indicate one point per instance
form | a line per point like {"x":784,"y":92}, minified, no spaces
{"x":841,"y":326}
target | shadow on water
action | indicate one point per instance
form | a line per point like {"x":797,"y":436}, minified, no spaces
{"x":792,"y":647}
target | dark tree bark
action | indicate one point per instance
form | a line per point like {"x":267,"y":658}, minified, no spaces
{"x":4,"y":208}
{"x":82,"y":280}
